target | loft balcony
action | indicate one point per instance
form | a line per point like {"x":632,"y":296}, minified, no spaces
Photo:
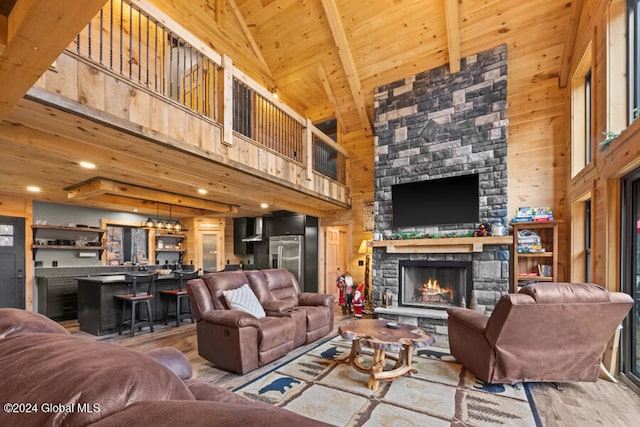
{"x":167,"y":113}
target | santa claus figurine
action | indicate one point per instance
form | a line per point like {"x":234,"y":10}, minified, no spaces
{"x":345,"y":284}
{"x":358,"y":300}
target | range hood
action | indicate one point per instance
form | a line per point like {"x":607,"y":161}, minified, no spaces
{"x":255,"y":235}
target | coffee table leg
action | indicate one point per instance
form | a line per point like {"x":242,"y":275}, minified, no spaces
{"x":377,"y":366}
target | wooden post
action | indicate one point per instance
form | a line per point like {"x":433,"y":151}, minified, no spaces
{"x":227,"y":105}
{"x":307,"y":154}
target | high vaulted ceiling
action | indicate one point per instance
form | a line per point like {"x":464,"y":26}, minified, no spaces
{"x":323,"y":57}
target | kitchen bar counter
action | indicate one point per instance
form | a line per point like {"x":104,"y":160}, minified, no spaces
{"x":99,"y":312}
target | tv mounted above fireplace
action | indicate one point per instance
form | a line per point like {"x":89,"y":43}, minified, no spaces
{"x":452,"y":200}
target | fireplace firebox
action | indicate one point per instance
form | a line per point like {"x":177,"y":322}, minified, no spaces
{"x":435,"y":284}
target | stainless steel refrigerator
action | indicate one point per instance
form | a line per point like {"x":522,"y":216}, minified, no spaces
{"x":287,"y":252}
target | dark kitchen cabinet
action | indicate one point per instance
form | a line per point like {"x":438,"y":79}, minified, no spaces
{"x":242,"y":228}
{"x":58,"y":297}
{"x":284,"y":224}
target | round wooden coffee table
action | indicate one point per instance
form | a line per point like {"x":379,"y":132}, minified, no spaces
{"x":375,"y":333}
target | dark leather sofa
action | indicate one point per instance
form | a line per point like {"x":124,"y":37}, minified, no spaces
{"x":240,"y":342}
{"x":53,"y":378}
{"x":547,"y":332}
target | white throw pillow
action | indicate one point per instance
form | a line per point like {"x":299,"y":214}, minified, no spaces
{"x":244,"y":299}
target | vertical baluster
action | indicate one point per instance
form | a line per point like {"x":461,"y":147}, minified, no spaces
{"x":121,"y":41}
{"x":155,"y":57}
{"x":147,"y":49}
{"x":171,"y":68}
{"x":101,"y":36}
{"x":111,"y":36}
{"x":88,"y":40}
{"x":130,"y":42}
{"x":191,"y":76}
{"x":139,"y":47}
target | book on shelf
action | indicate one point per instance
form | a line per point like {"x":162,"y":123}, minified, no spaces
{"x":545,"y":270}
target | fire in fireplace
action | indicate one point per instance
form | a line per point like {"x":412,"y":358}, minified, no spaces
{"x":435,"y":284}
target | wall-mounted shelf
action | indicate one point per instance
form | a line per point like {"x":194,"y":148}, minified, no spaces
{"x":172,"y":243}
{"x":65,"y":231}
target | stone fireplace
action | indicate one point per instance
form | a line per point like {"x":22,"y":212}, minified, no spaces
{"x":437,"y":125}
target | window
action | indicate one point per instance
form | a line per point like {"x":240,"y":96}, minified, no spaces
{"x":587,"y":117}
{"x":633,"y":63}
{"x":616,"y":83}
{"x":587,"y":240}
{"x":582,"y":114}
{"x":126,"y":244}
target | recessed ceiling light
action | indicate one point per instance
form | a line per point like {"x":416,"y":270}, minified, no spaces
{"x":33,"y":189}
{"x":202,"y":191}
{"x":87,"y":165}
{"x":135,"y":209}
{"x":264,"y":205}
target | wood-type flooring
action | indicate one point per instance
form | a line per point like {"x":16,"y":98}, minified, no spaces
{"x":602,"y":403}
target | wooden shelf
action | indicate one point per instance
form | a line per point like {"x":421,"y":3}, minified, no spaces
{"x":528,"y":262}
{"x":441,"y":245}
{"x":65,"y":228}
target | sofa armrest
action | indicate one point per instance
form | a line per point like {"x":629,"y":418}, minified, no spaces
{"x":470,"y":318}
{"x":232,"y":318}
{"x":279,"y":306}
{"x":173,"y":359}
{"x":308,"y":298}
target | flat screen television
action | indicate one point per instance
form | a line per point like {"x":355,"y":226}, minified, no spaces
{"x":453,"y":200}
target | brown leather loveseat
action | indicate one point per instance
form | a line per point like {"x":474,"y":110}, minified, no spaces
{"x":240,"y":342}
{"x":53,"y":378}
{"x":547,"y":332}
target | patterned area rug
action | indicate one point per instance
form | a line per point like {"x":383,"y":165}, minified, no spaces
{"x":320,"y":385}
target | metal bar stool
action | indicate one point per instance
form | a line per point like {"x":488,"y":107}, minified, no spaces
{"x":178,"y":295}
{"x":140,"y":287}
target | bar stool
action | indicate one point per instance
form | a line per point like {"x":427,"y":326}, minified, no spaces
{"x":178,"y":294}
{"x":140,"y":287}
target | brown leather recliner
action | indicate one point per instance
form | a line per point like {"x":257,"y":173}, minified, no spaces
{"x":54,"y":378}
{"x":239,"y":342}
{"x":547,"y":332}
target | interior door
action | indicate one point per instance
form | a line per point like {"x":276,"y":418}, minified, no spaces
{"x":12,"y":278}
{"x":210,"y":252}
{"x":336,"y":260}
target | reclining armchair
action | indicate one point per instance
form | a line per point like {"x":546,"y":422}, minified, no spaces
{"x":547,"y":332}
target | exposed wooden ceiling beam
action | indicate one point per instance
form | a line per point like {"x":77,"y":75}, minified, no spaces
{"x":252,"y":42}
{"x":100,"y":186}
{"x":220,"y":13}
{"x":572,"y":32}
{"x":332,"y":99}
{"x":453,"y":34}
{"x":37,"y":31}
{"x":340,"y":39}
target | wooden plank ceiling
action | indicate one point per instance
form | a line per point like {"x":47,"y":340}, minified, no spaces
{"x":324,"y":58}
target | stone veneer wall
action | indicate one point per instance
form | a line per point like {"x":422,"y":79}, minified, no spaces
{"x":435,"y":125}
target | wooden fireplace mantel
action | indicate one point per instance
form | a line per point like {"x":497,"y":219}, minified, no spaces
{"x":441,"y":245}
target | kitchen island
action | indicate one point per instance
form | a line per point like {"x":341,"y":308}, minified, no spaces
{"x":99,"y":312}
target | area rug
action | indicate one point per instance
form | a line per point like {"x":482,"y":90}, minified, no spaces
{"x":320,"y":384}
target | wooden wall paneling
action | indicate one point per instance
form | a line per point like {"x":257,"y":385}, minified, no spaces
{"x":118,"y":91}
{"x":140,"y":106}
{"x":91,"y":86}
{"x":159,"y":120}
{"x":177,"y":124}
{"x":64,"y":78}
{"x":194,"y":129}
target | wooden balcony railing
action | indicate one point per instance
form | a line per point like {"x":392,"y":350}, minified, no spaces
{"x":126,"y":40}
